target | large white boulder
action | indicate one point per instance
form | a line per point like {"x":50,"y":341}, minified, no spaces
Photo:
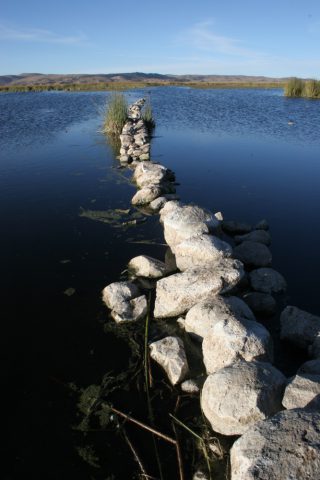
{"x":148,"y":173}
{"x":146,"y":195}
{"x":284,"y":447}
{"x":176,"y":294}
{"x":201,"y":318}
{"x":117,"y":294}
{"x":136,"y":309}
{"x":201,"y":250}
{"x":231,"y":340}
{"x":144,"y":266}
{"x":170,"y":354}
{"x":236,"y":397}
{"x":301,"y":390}
{"x":299,"y":327}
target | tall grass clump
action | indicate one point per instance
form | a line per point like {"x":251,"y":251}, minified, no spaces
{"x":294,"y":87}
{"x":116,"y":114}
{"x":311,"y":89}
{"x":147,"y":116}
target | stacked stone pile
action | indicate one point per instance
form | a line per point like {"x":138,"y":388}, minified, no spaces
{"x":221,"y":278}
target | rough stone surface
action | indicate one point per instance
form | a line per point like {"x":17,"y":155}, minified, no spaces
{"x":170,"y":354}
{"x":253,"y":254}
{"x":236,"y":397}
{"x":146,"y":195}
{"x":233,"y":227}
{"x":204,"y":315}
{"x":299,"y":327}
{"x":148,"y":173}
{"x":178,"y":293}
{"x":260,"y":236}
{"x":284,"y":447}
{"x":267,"y":280}
{"x":261,"y":303}
{"x":117,"y":294}
{"x":301,"y":390}
{"x":190,"y":386}
{"x":231,"y":340}
{"x":183,"y":222}
{"x":311,"y":367}
{"x":314,"y":349}
{"x":135,"y":310}
{"x":144,"y":266}
{"x":201,"y":250}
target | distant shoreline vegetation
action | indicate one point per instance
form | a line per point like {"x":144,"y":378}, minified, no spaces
{"x":296,"y":87}
{"x":121,"y":86}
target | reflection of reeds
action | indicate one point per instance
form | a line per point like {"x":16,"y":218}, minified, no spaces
{"x":296,"y":87}
{"x":147,"y":116}
{"x":116,"y":114}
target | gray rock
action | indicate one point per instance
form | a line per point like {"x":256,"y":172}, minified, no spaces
{"x":200,"y":475}
{"x":158,"y":203}
{"x":204,"y":315}
{"x":260,"y":236}
{"x":314,"y":349}
{"x":231,"y":340}
{"x":236,"y":397}
{"x":202,"y":250}
{"x":232,"y":227}
{"x":136,"y":309}
{"x":262,"y":225}
{"x":178,"y":293}
{"x":169,"y":353}
{"x":299,"y":327}
{"x":311,"y":367}
{"x":117,"y":294}
{"x":144,"y":156}
{"x":146,"y":195}
{"x":253,"y":254}
{"x":170,"y":261}
{"x":267,"y":280}
{"x":190,"y":386}
{"x":261,"y":303}
{"x":301,"y":390}
{"x":144,"y":266}
{"x":148,"y":173}
{"x":183,"y":222}
{"x":284,"y":447}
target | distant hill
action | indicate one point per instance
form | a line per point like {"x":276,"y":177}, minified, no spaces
{"x":32,"y":79}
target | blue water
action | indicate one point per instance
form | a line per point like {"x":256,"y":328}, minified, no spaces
{"x":232,"y":151}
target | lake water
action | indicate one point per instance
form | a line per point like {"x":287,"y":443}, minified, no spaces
{"x":251,"y":154}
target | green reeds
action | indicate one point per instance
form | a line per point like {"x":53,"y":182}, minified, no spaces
{"x":302,"y":88}
{"x":116,"y":114}
{"x":147,"y":116}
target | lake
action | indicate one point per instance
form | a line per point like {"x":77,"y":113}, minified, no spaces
{"x":250,"y":154}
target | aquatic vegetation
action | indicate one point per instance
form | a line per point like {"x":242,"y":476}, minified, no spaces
{"x":117,"y":218}
{"x":297,"y":87}
{"x":147,"y":116}
{"x":116,"y":114}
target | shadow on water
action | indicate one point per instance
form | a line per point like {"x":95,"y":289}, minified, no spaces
{"x":55,"y":166}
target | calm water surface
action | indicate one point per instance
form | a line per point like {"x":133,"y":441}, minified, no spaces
{"x":232,"y":150}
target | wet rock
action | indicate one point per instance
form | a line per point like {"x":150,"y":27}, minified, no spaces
{"x":267,"y":280}
{"x":262,"y":225}
{"x":299,"y":327}
{"x":201,"y":250}
{"x":135,"y":310}
{"x":144,"y":156}
{"x":146,"y":195}
{"x":232,"y":227}
{"x":183,"y":222}
{"x":169,"y":353}
{"x":284,"y":447}
{"x":200,"y":475}
{"x":204,"y":315}
{"x":260,"y":236}
{"x":314,"y":349}
{"x":178,"y":293}
{"x":311,"y":367}
{"x":148,"y":173}
{"x":117,"y":294}
{"x":253,"y":254}
{"x":159,"y":202}
{"x":301,"y":390}
{"x":126,"y":140}
{"x":170,"y":261}
{"x":236,"y":397}
{"x":144,"y":266}
{"x":190,"y":386}
{"x":261,"y":303}
{"x":231,"y":340}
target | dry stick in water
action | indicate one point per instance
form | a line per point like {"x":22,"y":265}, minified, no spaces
{"x":135,"y":454}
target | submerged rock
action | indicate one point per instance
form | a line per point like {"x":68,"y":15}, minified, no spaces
{"x":267,"y":280}
{"x":232,"y":227}
{"x":253,"y":254}
{"x":262,"y":225}
{"x":169,"y":353}
{"x":146,"y":195}
{"x":148,"y":173}
{"x":178,"y":293}
{"x":261,"y":303}
{"x":236,"y":397}
{"x":201,"y":250}
{"x":231,"y":340}
{"x":286,"y":446}
{"x":144,"y":266}
{"x":314,"y":349}
{"x":260,"y":236}
{"x":301,"y":390}
{"x":299,"y":327}
{"x":204,"y":315}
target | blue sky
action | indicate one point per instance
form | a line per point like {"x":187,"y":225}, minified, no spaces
{"x":247,"y":37}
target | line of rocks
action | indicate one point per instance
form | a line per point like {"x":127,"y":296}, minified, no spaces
{"x":216,"y":276}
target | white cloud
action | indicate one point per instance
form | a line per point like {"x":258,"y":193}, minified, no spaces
{"x":39,"y":36}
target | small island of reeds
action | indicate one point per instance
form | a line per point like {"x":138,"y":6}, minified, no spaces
{"x":296,"y":87}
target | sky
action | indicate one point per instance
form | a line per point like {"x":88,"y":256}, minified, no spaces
{"x":278,"y":38}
